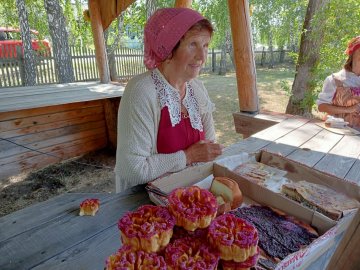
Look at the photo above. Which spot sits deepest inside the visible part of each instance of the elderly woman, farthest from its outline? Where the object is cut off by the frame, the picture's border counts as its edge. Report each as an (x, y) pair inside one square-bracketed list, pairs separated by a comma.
[(165, 117), (340, 95)]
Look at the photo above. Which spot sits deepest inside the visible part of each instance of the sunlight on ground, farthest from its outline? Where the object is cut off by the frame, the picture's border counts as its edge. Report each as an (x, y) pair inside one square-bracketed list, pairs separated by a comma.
[(13, 180), (223, 92)]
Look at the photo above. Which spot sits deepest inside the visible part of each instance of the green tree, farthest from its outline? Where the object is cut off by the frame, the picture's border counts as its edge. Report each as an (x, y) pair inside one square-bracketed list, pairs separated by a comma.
[(29, 57), (59, 36), (341, 23), (278, 22), (311, 40)]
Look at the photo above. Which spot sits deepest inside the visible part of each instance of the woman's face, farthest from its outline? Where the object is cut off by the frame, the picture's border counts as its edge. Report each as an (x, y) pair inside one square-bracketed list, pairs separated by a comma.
[(191, 54), (356, 62)]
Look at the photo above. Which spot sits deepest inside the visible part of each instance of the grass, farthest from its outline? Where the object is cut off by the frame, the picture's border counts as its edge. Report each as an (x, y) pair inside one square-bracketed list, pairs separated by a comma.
[(223, 92)]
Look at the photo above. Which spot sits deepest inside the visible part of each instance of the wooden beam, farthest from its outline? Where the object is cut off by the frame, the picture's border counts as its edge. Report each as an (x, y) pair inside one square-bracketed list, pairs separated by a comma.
[(99, 41), (243, 54), (183, 3), (111, 107), (248, 125)]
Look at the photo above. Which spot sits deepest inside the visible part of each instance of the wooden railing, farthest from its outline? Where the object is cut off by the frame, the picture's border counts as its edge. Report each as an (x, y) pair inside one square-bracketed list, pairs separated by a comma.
[(128, 62)]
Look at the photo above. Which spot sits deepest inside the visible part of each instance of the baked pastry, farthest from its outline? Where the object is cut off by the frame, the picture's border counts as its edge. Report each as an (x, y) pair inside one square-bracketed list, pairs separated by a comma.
[(260, 173), (228, 190), (128, 259), (192, 207), (321, 198), (89, 207), (279, 233), (149, 228), (246, 265), (235, 238), (191, 253)]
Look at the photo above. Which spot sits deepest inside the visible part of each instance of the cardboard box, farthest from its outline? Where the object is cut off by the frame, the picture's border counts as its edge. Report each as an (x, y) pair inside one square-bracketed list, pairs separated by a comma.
[(328, 250)]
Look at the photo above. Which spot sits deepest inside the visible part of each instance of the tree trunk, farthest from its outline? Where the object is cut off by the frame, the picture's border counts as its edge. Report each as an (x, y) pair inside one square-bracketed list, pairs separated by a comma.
[(263, 57), (271, 49), (29, 57), (111, 48), (229, 47), (59, 37), (310, 44), (222, 69), (151, 6)]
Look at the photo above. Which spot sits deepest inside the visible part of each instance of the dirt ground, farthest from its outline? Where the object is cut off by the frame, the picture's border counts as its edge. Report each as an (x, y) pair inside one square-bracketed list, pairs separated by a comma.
[(94, 172)]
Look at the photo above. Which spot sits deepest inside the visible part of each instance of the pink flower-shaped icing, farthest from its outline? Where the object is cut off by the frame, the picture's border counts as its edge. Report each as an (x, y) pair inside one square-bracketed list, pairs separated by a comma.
[(146, 221), (230, 230), (191, 253), (192, 202), (125, 258)]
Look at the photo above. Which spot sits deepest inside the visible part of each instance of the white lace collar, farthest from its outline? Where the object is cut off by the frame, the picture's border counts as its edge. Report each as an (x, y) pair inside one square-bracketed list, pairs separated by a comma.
[(170, 97)]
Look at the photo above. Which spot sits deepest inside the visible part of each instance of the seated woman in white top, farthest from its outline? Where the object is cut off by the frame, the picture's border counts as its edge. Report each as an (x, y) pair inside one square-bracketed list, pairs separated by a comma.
[(340, 96), (165, 117)]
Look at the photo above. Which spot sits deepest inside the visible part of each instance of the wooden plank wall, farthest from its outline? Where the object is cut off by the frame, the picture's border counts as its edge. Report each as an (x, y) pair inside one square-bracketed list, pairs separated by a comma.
[(64, 131)]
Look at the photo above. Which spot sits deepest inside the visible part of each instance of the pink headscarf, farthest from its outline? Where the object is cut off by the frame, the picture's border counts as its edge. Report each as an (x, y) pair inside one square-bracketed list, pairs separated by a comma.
[(163, 31), (353, 45)]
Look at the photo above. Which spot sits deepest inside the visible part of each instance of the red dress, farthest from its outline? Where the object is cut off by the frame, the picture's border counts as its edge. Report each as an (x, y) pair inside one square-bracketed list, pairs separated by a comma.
[(181, 136), (345, 97)]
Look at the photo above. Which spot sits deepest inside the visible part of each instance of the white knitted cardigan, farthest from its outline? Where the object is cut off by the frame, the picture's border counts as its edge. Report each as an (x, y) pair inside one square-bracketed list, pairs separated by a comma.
[(137, 160)]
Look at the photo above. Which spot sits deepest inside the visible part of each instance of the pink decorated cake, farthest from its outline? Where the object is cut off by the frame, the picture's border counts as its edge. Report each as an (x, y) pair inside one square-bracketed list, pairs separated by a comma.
[(246, 265), (149, 228), (128, 259), (89, 207), (235, 238), (192, 207), (191, 253)]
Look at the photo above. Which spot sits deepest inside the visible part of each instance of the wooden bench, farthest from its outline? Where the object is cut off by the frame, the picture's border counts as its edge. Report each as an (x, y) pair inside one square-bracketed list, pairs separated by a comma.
[(249, 124), (61, 120)]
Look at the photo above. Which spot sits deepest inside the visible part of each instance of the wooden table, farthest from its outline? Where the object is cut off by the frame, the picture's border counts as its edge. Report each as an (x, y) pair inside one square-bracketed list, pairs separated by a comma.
[(307, 142), (51, 235)]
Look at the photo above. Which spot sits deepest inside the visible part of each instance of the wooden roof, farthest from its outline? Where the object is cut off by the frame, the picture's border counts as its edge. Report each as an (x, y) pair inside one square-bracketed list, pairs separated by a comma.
[(111, 9)]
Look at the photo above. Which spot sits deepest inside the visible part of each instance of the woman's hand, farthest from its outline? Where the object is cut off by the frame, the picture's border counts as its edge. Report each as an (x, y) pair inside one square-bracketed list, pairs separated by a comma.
[(203, 151)]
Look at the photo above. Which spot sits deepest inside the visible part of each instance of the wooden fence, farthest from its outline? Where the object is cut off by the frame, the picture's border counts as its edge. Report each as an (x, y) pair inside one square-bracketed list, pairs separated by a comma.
[(128, 62)]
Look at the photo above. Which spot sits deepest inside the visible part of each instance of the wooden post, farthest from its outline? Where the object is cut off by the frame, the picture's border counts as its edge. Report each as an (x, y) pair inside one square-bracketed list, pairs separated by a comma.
[(183, 3), (99, 41), (243, 53), (111, 107)]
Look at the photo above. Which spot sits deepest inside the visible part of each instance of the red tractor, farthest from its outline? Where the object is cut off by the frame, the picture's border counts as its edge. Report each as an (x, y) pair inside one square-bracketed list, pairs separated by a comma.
[(10, 38)]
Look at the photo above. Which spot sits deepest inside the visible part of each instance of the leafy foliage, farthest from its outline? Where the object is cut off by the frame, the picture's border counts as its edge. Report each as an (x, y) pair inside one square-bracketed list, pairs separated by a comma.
[(280, 20), (341, 19)]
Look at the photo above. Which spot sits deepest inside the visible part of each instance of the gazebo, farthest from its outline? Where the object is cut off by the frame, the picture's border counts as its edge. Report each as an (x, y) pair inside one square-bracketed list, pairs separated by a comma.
[(52, 235)]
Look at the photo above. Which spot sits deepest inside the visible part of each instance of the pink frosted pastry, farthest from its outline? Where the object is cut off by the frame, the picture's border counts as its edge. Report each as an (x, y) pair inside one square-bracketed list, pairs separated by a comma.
[(246, 265), (128, 259), (235, 238), (192, 207), (191, 253), (149, 228), (89, 207)]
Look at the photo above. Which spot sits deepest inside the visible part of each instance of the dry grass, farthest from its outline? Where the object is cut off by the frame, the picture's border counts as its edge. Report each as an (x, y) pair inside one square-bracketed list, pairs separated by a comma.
[(22, 190), (223, 92)]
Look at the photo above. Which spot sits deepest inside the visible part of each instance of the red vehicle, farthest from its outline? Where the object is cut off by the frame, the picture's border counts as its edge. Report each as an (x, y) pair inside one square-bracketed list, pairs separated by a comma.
[(11, 37)]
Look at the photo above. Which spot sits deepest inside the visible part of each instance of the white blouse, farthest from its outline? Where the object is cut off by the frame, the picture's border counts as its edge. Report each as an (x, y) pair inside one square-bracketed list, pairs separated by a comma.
[(349, 79)]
